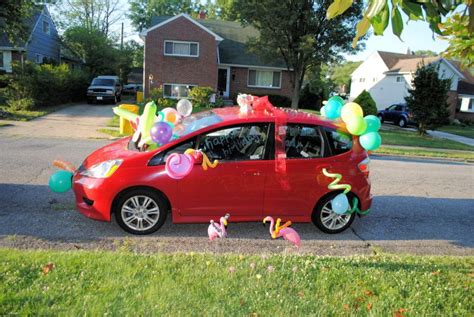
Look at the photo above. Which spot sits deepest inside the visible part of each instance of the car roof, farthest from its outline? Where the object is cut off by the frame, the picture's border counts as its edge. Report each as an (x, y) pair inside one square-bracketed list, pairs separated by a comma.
[(231, 114), (108, 77)]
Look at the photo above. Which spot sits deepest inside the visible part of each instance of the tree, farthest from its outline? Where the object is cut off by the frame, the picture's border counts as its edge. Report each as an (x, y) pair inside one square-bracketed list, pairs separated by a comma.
[(367, 103), (298, 33), (425, 53), (427, 99), (461, 41), (341, 74), (13, 14), (142, 11)]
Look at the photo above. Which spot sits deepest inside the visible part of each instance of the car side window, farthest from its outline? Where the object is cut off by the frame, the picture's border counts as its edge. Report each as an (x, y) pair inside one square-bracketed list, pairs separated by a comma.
[(339, 142), (238, 143), (303, 141), (392, 108), (399, 108), (180, 148)]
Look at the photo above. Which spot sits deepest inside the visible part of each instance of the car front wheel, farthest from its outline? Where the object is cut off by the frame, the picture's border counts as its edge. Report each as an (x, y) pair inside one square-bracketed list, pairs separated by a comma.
[(140, 211), (329, 221), (402, 123), (380, 118)]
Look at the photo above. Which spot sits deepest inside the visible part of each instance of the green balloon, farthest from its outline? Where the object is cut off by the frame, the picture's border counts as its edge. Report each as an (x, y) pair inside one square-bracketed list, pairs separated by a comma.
[(337, 99), (356, 125), (373, 123), (60, 181), (370, 141)]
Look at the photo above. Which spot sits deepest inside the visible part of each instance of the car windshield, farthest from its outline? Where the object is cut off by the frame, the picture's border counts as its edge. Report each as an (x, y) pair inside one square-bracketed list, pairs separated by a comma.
[(189, 125), (102, 82)]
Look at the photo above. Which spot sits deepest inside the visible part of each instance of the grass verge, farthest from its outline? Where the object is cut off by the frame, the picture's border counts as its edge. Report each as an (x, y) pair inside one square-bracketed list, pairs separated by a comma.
[(434, 153), (409, 138), (99, 283), (27, 115), (467, 131), (112, 132)]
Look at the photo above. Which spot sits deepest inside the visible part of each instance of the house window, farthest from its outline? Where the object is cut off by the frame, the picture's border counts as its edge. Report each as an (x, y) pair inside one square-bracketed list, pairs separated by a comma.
[(176, 90), (178, 48), (39, 59), (1, 60), (399, 79), (264, 78), (46, 28), (362, 80)]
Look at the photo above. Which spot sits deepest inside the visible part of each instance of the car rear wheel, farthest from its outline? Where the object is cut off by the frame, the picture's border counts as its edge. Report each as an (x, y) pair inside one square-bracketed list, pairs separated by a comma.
[(402, 123), (140, 211), (380, 118), (329, 221)]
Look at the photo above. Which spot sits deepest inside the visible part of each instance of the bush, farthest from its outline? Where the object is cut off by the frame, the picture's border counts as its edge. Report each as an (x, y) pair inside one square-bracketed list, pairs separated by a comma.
[(21, 104), (367, 103), (156, 95), (309, 100), (46, 85), (200, 96)]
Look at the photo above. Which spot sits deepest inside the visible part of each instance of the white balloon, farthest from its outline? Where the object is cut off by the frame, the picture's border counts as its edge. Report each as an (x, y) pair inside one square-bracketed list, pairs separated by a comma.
[(184, 107)]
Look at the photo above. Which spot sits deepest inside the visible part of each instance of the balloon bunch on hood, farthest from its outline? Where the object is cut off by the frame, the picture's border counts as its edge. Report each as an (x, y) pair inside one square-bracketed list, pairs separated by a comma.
[(352, 115), (152, 128)]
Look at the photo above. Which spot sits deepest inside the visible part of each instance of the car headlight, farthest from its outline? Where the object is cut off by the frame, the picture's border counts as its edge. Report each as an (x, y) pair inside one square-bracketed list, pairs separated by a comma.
[(103, 169), (110, 92), (90, 91)]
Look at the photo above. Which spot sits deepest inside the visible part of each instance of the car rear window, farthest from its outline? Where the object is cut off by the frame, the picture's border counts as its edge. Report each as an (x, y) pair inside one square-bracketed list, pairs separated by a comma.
[(303, 141), (339, 142)]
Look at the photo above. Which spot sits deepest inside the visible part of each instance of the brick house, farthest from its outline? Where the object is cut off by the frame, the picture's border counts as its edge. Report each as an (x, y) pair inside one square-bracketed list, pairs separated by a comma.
[(181, 53)]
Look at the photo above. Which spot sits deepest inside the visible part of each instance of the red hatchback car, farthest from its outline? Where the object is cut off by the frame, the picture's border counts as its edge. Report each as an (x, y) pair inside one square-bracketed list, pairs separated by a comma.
[(134, 186)]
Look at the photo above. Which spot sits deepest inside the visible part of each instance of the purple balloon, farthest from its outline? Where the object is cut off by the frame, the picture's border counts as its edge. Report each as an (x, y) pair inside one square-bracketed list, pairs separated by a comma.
[(161, 132)]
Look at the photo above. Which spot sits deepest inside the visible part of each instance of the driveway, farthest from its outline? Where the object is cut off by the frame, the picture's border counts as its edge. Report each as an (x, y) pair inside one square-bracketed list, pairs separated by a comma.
[(79, 121), (420, 207)]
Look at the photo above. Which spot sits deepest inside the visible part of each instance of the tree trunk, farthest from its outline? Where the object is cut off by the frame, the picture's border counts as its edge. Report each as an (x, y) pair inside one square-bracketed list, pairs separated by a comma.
[(295, 99)]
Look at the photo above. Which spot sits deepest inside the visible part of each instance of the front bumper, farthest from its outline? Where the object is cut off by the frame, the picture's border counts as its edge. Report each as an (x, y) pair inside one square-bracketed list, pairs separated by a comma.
[(100, 97), (93, 199)]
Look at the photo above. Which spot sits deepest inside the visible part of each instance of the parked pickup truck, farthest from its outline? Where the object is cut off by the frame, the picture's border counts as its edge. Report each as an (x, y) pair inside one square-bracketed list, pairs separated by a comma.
[(105, 88), (399, 114)]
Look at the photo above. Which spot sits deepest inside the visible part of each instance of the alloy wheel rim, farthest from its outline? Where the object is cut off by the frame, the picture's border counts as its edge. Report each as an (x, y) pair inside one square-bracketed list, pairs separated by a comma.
[(331, 220), (140, 212)]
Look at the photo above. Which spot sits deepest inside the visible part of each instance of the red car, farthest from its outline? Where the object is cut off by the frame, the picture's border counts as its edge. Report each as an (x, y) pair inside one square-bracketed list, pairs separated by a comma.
[(134, 186)]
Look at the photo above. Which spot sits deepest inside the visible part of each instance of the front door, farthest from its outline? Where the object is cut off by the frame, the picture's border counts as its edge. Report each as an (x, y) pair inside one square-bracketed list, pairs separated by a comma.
[(236, 184), (222, 82)]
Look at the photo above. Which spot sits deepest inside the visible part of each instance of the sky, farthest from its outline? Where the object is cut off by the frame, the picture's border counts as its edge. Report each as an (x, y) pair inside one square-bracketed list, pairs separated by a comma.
[(416, 36)]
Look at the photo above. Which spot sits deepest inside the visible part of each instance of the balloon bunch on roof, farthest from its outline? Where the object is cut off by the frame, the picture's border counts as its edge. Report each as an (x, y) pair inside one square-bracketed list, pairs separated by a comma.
[(356, 124)]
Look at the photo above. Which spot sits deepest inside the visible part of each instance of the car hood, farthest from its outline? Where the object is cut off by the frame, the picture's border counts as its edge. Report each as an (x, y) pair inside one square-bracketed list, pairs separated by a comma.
[(101, 87), (116, 150)]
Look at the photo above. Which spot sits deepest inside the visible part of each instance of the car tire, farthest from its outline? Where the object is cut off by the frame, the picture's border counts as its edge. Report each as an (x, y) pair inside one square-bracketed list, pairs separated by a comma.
[(380, 118), (323, 217), (119, 98), (89, 101), (140, 211), (402, 123)]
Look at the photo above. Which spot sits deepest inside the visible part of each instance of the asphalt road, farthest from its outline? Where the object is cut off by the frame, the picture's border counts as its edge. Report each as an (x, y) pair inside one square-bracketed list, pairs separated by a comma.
[(420, 207)]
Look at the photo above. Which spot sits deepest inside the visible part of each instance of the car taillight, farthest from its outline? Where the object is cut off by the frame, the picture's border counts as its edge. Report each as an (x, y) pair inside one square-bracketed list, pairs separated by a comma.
[(364, 166)]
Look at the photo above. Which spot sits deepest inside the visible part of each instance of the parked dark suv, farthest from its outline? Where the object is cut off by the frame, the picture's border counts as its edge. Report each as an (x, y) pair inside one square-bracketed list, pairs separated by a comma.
[(105, 88), (399, 114)]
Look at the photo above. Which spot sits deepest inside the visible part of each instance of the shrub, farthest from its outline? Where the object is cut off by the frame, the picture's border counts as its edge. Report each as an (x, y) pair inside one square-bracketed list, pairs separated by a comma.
[(156, 95), (21, 104), (367, 103), (46, 85), (309, 100), (200, 96)]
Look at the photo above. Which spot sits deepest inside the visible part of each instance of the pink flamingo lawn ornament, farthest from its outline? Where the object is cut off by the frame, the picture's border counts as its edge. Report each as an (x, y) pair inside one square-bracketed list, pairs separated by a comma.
[(284, 231), (218, 230)]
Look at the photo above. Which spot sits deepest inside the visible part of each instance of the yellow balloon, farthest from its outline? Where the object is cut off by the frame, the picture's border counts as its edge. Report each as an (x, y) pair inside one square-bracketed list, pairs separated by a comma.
[(349, 110)]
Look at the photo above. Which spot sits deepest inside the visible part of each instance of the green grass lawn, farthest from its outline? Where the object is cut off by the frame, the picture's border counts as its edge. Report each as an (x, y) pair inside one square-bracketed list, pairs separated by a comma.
[(467, 131), (27, 115), (410, 138), (402, 151), (122, 283)]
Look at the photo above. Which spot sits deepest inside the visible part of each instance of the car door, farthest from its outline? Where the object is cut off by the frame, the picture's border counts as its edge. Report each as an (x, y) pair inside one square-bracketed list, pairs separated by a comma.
[(295, 192), (389, 114), (236, 184)]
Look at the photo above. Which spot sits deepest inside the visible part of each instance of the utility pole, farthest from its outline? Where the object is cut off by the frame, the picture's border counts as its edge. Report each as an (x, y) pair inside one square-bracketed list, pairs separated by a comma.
[(121, 39)]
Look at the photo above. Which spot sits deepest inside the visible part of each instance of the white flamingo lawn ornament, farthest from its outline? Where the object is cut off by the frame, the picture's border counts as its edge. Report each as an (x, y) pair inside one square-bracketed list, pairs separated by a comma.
[(218, 230)]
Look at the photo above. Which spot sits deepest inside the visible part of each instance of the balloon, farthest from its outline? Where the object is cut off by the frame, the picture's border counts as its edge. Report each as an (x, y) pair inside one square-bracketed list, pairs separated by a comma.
[(333, 109), (60, 181), (340, 204), (161, 132), (370, 141), (356, 125), (323, 111), (179, 165), (337, 99), (349, 110), (184, 107), (334, 185), (373, 123), (171, 115)]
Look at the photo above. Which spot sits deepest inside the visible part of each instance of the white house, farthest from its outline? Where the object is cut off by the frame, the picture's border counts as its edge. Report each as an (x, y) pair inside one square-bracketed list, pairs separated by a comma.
[(388, 76)]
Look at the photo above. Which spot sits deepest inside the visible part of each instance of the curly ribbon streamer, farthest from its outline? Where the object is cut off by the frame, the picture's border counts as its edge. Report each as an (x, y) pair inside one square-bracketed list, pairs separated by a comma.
[(205, 160), (334, 185), (64, 166), (355, 208)]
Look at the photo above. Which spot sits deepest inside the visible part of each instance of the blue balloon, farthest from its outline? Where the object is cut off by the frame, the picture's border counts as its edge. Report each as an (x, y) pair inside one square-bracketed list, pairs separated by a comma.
[(370, 141), (340, 204), (60, 181), (373, 123), (333, 109), (337, 99)]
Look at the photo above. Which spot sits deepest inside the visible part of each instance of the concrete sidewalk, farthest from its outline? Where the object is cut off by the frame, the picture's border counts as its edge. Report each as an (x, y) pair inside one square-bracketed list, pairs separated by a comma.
[(453, 137), (77, 122)]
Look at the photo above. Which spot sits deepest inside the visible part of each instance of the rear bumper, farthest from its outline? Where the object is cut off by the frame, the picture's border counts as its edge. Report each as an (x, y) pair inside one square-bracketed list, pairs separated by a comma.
[(91, 198)]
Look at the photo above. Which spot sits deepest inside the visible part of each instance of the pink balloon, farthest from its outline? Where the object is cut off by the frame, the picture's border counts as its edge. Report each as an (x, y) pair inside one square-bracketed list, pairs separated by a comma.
[(179, 165)]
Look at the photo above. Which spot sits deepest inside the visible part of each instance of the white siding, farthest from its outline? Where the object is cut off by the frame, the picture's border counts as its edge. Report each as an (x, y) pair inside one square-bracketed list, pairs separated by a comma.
[(372, 68)]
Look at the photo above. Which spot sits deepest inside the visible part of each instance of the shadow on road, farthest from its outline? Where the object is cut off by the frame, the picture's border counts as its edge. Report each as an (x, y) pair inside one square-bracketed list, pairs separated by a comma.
[(33, 210)]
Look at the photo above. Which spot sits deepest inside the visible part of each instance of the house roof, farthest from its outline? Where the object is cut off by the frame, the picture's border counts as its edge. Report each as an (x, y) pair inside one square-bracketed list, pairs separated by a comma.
[(30, 22), (232, 47)]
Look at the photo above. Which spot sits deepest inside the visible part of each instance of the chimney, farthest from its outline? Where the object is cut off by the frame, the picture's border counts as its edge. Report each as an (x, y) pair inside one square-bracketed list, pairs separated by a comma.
[(409, 51), (202, 15)]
